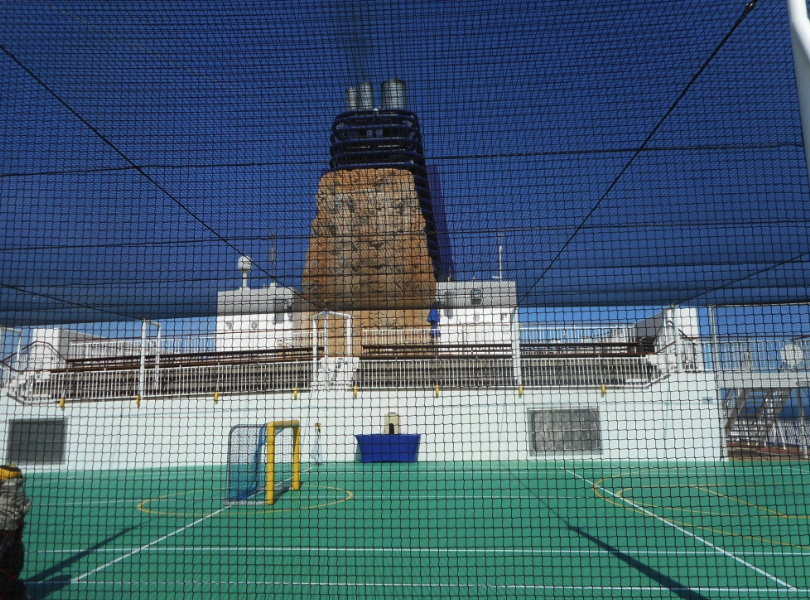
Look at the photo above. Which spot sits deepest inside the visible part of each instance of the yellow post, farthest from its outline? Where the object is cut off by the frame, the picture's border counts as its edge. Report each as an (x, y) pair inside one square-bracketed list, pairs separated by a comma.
[(269, 486), (520, 390), (62, 403), (138, 400), (296, 464), (270, 492), (604, 389), (355, 391), (437, 390), (216, 396), (295, 393)]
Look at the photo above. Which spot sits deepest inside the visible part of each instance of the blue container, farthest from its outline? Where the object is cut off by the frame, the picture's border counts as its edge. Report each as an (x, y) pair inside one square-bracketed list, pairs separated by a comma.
[(384, 447)]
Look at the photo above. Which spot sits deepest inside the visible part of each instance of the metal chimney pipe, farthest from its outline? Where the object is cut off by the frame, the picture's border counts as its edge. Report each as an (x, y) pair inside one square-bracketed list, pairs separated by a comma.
[(394, 96), (366, 96), (352, 99)]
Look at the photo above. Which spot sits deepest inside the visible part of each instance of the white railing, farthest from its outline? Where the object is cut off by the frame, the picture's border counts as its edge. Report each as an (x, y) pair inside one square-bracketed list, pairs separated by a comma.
[(191, 344), (294, 339), (428, 373), (762, 355), (265, 377), (124, 384), (588, 372), (469, 339), (107, 348), (396, 337), (577, 334), (87, 349)]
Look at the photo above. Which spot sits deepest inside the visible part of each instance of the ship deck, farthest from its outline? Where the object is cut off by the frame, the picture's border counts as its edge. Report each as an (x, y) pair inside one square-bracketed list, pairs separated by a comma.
[(459, 529)]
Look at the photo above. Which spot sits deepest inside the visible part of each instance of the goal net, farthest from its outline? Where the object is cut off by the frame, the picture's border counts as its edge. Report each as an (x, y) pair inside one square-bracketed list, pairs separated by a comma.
[(264, 461)]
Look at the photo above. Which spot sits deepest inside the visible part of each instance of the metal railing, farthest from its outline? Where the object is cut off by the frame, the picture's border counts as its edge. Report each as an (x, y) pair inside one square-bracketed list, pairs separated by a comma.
[(581, 333), (124, 384), (588, 372), (396, 337), (762, 355), (428, 373), (188, 344)]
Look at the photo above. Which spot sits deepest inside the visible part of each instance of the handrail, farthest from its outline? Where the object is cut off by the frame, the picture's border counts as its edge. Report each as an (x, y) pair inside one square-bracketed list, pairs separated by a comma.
[(28, 347)]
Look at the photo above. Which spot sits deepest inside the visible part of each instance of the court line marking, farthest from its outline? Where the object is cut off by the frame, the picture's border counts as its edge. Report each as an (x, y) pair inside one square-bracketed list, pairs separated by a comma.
[(353, 584), (327, 549), (461, 497), (146, 546), (150, 544), (355, 496), (689, 533), (685, 523)]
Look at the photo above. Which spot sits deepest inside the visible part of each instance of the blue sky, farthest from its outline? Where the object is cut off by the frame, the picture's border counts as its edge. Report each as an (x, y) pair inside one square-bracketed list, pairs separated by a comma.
[(145, 146)]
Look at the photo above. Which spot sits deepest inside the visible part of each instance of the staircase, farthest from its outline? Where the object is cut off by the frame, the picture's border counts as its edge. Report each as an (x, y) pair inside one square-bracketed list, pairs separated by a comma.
[(753, 430)]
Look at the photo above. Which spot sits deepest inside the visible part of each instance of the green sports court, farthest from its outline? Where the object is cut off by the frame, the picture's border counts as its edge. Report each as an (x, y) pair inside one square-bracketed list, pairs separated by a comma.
[(340, 299), (430, 529)]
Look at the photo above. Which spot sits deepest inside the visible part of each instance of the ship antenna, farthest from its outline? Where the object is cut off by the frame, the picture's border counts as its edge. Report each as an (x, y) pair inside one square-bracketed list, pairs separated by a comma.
[(245, 266)]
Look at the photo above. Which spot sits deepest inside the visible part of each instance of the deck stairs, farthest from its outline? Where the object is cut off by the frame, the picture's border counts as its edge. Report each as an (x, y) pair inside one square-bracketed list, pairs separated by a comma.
[(753, 429)]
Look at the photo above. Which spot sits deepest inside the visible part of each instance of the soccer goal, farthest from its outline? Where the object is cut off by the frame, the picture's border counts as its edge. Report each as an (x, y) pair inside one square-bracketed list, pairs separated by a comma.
[(264, 461)]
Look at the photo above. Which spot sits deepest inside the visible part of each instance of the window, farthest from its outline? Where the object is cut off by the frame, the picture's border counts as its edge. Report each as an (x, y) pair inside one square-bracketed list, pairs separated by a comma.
[(36, 441), (566, 430)]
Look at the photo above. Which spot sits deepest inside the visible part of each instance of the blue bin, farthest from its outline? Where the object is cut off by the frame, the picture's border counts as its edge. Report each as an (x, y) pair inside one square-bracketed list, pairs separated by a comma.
[(384, 447)]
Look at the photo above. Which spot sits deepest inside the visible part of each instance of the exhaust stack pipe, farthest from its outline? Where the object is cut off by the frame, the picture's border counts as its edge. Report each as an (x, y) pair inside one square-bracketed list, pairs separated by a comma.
[(352, 99), (366, 96), (394, 96)]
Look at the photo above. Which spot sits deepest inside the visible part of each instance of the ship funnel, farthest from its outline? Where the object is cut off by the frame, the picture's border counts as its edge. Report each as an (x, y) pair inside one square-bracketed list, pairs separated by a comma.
[(352, 99), (394, 96), (366, 96)]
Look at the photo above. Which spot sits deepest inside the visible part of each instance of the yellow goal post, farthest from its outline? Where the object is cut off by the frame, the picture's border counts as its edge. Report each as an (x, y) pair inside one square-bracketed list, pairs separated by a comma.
[(273, 428)]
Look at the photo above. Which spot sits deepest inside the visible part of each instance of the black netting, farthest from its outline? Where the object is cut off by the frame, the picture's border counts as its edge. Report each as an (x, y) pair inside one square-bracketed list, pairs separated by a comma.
[(531, 276)]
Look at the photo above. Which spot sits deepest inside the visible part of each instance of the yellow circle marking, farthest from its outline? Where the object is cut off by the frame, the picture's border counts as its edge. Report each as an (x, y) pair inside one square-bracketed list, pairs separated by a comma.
[(142, 506), (639, 505)]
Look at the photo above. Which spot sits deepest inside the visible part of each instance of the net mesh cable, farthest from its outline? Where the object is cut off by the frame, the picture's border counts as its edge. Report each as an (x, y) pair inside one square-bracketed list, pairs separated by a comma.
[(404, 299)]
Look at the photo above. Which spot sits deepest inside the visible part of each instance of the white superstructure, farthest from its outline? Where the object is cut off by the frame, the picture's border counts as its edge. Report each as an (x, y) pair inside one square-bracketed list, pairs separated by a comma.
[(473, 381)]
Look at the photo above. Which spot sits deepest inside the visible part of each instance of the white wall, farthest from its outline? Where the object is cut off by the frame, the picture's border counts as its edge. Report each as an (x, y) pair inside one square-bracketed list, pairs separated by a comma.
[(677, 419)]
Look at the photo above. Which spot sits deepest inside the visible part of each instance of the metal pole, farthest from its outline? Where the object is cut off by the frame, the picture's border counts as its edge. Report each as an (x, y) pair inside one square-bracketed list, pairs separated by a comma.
[(157, 357), (326, 337), (676, 332), (803, 442), (800, 41), (19, 351), (716, 370), (145, 324), (142, 376), (349, 336), (314, 346), (516, 367)]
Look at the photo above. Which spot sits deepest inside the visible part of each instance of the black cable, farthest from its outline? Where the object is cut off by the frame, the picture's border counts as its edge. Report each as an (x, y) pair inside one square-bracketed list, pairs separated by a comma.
[(133, 165), (640, 149)]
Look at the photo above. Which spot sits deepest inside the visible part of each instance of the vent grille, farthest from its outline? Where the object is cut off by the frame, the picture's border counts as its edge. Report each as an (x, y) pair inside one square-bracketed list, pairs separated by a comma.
[(569, 430), (36, 441)]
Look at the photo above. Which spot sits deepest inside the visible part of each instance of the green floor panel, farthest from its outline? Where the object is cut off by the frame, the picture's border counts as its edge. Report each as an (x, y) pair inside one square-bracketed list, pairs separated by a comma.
[(427, 530)]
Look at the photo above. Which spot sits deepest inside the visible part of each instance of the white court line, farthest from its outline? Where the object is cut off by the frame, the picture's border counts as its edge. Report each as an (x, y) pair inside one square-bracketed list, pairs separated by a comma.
[(689, 533), (356, 497), (146, 546), (461, 497), (88, 503), (352, 584), (150, 544), (349, 550)]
